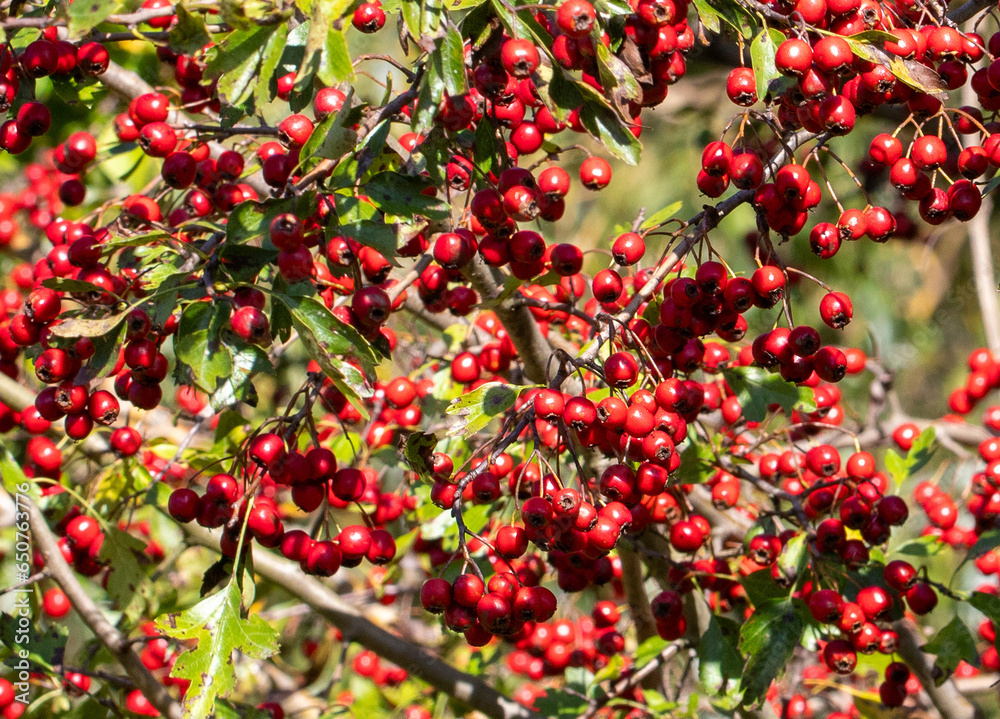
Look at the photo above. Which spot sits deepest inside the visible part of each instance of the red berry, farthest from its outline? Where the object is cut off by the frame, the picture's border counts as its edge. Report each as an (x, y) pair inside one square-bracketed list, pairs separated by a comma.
[(595, 172), (55, 603), (576, 18)]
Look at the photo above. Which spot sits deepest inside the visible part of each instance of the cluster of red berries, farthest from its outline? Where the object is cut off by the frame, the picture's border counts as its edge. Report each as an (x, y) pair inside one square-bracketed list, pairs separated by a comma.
[(856, 622), (368, 664), (39, 202), (48, 55), (657, 29), (830, 82), (550, 647), (9, 707), (984, 376), (500, 607), (313, 478)]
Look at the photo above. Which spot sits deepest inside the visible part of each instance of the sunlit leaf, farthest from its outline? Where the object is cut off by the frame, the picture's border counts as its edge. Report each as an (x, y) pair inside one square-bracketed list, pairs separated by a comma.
[(220, 629)]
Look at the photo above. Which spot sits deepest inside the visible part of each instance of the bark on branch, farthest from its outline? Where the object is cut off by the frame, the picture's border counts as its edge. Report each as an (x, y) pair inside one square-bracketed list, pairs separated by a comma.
[(94, 618), (946, 698), (420, 663)]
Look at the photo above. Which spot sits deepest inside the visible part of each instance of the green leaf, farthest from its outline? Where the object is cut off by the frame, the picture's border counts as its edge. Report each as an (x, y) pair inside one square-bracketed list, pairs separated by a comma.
[(871, 36), (219, 628), (610, 671), (325, 54), (522, 24), (927, 546), (411, 11), (762, 53), (477, 24), (988, 604), (991, 185), (331, 138), (146, 238), (661, 216), (562, 704), (65, 284), (697, 464), (732, 12), (756, 388), (15, 482), (560, 94), (484, 154), (225, 710), (328, 339), (618, 80), (84, 15), (352, 383), (333, 335), (189, 34), (449, 61), (432, 14), (371, 148), (709, 17), (761, 587), (987, 542), (371, 233), (418, 453), (45, 649), (250, 220), (870, 46), (236, 61), (794, 557), (916, 458), (75, 91), (128, 585), (605, 125), (952, 644), (719, 661), (248, 360), (403, 195), (239, 13), (270, 57), (119, 479), (477, 408), (768, 639), (200, 345), (335, 64), (649, 649)]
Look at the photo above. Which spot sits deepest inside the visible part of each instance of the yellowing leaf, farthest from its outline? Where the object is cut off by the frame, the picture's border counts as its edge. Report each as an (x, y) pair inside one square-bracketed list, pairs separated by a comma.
[(480, 406), (218, 625)]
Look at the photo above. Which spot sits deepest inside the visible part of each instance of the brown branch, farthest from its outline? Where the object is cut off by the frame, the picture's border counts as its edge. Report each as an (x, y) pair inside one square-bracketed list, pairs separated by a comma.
[(36, 577), (969, 10), (422, 263), (635, 593), (15, 395), (626, 684), (415, 307), (94, 618), (135, 18), (469, 689), (980, 243), (533, 348), (949, 702)]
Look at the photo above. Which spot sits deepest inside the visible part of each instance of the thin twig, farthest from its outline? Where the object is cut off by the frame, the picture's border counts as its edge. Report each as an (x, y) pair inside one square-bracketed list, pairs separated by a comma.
[(94, 618)]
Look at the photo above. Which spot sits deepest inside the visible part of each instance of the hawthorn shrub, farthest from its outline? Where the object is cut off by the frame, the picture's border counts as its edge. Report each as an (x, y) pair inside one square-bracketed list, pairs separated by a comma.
[(310, 406)]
